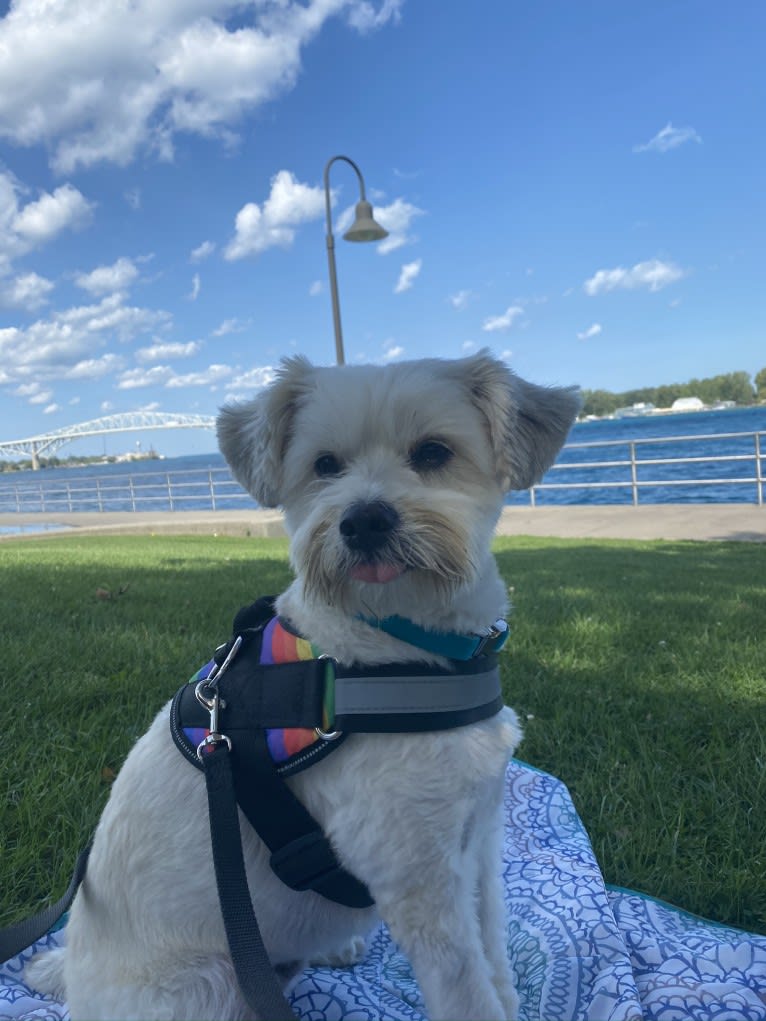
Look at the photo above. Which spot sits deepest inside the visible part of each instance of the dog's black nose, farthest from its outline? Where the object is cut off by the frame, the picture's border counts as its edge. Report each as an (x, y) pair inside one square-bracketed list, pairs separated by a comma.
[(366, 527)]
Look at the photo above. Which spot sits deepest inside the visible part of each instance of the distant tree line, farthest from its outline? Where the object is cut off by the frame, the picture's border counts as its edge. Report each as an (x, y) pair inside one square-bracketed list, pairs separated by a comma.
[(732, 386), (74, 461)]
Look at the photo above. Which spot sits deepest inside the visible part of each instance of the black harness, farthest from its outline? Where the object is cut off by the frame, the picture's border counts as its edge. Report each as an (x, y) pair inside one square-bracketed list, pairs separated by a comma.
[(243, 698)]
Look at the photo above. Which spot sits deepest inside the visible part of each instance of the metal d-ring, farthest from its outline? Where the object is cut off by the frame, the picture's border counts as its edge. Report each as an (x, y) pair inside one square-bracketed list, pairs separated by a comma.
[(327, 735), (212, 739)]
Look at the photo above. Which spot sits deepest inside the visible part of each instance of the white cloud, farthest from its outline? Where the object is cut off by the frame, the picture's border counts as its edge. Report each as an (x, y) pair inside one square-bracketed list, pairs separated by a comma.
[(289, 204), (592, 331), (669, 138), (108, 279), (55, 347), (316, 288), (51, 409), (366, 18), (41, 398), (196, 286), (203, 251), (106, 406), (164, 352), (393, 351), (133, 198), (113, 79), (211, 375), (229, 326), (503, 322), (253, 379), (460, 299), (41, 220), (134, 379), (95, 368), (24, 227), (409, 272), (28, 291), (652, 274)]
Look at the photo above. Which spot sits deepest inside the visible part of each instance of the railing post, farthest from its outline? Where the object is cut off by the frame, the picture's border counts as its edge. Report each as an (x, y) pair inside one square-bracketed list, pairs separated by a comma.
[(42, 497), (132, 494), (98, 494), (69, 496), (212, 488), (633, 473), (532, 498), (758, 470), (170, 490)]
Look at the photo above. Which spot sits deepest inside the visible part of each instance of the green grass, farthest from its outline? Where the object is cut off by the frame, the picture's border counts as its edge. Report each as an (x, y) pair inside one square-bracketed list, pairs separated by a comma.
[(638, 669)]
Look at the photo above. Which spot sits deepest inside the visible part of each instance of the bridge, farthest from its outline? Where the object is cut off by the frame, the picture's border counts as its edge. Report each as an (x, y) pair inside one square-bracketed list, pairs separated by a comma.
[(130, 421)]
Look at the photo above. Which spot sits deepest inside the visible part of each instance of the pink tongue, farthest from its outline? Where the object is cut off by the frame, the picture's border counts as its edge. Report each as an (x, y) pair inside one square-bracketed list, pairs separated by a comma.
[(376, 573)]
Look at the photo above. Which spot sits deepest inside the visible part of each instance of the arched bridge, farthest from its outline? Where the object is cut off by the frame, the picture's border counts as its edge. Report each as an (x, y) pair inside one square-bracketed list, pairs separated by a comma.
[(130, 421)]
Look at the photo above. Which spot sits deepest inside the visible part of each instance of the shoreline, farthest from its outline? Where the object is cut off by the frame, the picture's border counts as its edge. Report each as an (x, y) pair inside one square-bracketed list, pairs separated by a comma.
[(734, 522)]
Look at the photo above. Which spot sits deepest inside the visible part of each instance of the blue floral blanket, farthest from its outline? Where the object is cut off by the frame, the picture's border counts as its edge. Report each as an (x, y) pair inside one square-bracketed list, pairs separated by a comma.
[(580, 950)]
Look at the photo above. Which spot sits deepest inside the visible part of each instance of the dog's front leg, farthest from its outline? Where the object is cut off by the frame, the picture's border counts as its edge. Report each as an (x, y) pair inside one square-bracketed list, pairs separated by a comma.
[(434, 920), (493, 918)]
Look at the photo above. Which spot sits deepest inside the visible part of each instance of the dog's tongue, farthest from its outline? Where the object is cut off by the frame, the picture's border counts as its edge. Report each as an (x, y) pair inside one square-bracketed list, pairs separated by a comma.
[(379, 574)]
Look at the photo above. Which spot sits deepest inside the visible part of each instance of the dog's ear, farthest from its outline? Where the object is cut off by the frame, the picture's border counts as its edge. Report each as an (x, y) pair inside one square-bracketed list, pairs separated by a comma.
[(527, 423), (254, 435)]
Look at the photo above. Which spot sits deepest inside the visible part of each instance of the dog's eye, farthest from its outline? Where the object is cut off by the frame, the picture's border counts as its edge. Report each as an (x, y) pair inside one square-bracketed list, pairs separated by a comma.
[(429, 456), (327, 465)]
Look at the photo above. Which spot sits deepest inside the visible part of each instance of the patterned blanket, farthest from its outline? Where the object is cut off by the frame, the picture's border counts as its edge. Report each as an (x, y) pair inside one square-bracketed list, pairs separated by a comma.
[(580, 950)]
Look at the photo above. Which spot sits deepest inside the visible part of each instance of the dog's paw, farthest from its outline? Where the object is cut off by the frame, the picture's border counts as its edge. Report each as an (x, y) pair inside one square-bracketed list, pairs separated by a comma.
[(342, 957)]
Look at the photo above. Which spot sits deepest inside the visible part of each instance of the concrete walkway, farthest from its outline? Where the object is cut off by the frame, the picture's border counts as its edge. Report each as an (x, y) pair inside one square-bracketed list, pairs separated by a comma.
[(736, 522)]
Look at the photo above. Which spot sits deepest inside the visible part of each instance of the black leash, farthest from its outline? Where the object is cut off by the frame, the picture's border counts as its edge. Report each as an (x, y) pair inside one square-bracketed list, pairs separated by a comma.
[(255, 974), (16, 938)]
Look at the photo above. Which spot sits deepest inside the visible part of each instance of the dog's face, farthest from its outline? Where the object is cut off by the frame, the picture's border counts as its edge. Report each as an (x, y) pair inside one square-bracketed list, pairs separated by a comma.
[(392, 478)]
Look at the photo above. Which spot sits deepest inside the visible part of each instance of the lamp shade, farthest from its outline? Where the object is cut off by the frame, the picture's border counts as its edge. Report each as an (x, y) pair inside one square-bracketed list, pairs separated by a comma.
[(364, 227)]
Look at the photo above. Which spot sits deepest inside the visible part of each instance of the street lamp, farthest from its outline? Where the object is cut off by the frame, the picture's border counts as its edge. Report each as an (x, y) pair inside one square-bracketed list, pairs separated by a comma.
[(364, 228)]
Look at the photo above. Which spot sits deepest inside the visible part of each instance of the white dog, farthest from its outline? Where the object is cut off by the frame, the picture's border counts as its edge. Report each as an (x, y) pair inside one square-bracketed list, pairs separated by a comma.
[(392, 480)]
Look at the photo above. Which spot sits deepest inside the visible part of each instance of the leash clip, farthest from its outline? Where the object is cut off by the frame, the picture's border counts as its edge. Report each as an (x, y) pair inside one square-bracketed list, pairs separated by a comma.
[(497, 630), (213, 702)]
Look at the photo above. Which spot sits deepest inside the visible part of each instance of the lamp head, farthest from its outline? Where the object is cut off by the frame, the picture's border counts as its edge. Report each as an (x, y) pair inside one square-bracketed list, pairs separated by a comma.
[(364, 227)]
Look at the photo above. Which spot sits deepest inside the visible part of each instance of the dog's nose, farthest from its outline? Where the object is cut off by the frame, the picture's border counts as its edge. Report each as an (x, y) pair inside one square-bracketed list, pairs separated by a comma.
[(366, 527)]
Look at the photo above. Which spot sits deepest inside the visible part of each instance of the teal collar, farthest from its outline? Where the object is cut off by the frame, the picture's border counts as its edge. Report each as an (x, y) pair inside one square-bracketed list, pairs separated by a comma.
[(449, 644)]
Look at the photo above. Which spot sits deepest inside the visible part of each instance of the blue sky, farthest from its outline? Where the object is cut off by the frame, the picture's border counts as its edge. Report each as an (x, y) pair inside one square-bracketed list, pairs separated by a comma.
[(578, 186)]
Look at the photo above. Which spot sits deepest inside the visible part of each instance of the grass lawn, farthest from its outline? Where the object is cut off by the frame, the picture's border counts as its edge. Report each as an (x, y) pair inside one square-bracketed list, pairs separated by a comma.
[(639, 670)]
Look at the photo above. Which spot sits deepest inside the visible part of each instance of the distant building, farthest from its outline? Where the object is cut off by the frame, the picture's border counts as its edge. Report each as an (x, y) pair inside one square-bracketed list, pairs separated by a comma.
[(635, 410), (687, 404)]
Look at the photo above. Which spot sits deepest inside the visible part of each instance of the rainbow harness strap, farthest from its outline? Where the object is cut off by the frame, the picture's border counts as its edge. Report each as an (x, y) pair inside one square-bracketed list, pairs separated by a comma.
[(279, 645)]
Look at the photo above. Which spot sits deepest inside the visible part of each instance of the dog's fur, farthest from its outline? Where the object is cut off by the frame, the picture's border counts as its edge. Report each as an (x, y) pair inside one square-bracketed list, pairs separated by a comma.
[(417, 817)]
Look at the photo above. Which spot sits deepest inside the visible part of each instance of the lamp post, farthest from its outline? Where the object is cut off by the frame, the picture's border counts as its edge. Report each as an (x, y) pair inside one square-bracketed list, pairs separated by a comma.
[(364, 228)]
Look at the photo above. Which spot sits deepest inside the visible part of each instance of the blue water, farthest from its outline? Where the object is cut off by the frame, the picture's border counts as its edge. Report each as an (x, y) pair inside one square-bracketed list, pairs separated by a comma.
[(145, 485), (609, 440)]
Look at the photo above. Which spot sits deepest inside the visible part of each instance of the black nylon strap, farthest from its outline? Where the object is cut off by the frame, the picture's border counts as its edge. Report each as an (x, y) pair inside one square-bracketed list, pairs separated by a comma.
[(16, 938), (301, 854), (256, 977)]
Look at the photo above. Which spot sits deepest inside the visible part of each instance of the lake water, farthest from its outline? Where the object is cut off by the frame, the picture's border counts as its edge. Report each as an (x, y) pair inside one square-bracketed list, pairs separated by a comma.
[(186, 483)]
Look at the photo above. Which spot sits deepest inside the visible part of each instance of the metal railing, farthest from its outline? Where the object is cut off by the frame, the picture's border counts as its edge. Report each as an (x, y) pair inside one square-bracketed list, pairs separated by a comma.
[(628, 474), (208, 489), (722, 466)]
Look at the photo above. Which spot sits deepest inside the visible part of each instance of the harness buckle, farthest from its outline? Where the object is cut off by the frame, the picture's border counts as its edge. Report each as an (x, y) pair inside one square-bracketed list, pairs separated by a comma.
[(328, 735)]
